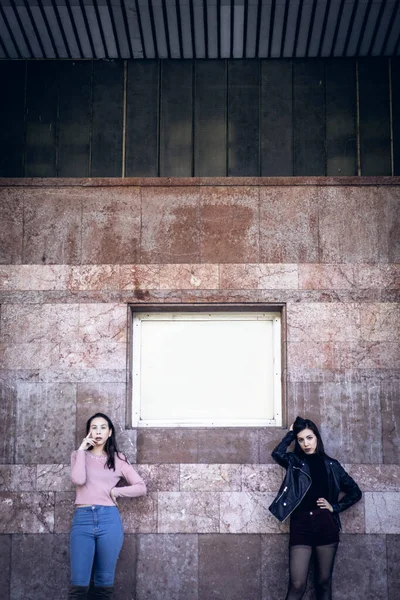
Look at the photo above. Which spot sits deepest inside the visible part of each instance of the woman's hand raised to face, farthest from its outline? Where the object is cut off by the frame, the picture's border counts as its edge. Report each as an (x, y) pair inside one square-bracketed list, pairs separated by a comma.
[(87, 442), (322, 503)]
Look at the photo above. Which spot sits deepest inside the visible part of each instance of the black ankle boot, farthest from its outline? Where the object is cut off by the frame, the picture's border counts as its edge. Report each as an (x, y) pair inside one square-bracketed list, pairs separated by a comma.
[(103, 593), (78, 592)]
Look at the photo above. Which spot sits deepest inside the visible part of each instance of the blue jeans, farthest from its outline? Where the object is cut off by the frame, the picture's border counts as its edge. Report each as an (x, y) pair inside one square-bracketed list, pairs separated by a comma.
[(95, 542)]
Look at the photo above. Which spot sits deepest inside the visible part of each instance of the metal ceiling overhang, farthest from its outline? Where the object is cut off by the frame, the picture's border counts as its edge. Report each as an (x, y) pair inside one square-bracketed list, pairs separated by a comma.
[(201, 29)]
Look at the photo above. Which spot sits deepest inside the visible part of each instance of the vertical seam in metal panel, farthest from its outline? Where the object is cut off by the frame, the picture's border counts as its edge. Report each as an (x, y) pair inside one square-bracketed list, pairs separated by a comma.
[(258, 28), (219, 28), (159, 118), (311, 27), (76, 34), (89, 33), (139, 20), (192, 28), (246, 11), (166, 28), (358, 121), (57, 126), (337, 27), (153, 29), (232, 28), (126, 26), (284, 29), (125, 103), (377, 25), (323, 30), (205, 20), (91, 120), (10, 33), (114, 29), (60, 25), (48, 28), (18, 18), (350, 29), (4, 49), (271, 27), (179, 25), (98, 19), (298, 21), (34, 27), (391, 117), (390, 27), (396, 46), (363, 26)]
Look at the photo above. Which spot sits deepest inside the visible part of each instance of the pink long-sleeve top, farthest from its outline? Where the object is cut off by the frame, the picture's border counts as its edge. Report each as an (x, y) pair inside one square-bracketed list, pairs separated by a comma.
[(94, 482)]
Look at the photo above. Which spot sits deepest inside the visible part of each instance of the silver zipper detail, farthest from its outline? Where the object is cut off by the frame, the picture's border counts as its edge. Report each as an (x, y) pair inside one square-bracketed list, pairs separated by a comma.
[(294, 508), (280, 495)]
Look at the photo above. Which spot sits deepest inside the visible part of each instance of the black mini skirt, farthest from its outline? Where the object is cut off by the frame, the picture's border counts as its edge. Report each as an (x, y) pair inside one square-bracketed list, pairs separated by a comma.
[(313, 528)]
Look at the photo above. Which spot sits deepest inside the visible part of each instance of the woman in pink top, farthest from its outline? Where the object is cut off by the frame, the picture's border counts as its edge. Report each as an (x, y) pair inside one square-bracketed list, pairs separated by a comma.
[(97, 534)]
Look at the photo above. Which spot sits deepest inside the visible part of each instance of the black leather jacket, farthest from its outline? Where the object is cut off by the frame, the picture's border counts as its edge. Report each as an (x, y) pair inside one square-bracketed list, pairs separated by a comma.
[(297, 481)]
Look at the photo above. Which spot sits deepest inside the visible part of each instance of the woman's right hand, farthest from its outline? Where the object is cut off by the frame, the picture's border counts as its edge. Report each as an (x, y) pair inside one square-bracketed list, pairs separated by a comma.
[(87, 442), (291, 427)]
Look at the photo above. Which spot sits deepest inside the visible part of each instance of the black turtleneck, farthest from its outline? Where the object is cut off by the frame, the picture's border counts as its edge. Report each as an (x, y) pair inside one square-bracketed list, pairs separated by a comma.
[(319, 486)]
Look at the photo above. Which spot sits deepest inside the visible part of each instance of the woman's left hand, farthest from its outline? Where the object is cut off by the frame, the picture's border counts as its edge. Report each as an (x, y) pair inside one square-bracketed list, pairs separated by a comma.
[(113, 498), (322, 503)]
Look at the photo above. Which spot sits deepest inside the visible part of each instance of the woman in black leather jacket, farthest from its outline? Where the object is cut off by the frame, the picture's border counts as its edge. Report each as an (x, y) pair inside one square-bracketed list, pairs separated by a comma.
[(310, 494)]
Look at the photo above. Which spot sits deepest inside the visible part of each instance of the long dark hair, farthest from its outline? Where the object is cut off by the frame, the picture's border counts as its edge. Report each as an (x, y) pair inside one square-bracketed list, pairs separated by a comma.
[(111, 444), (299, 425)]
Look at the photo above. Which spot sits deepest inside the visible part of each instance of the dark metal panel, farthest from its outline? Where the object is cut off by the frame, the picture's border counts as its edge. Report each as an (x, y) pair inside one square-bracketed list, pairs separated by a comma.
[(41, 119), (108, 106), (356, 28), (210, 118), (366, 31), (57, 33), (377, 48), (176, 130), (271, 26), (7, 36), (75, 91), (276, 126), (304, 29), (395, 69), (213, 29), (149, 42), (243, 118), (338, 25), (142, 133), (376, 26), (166, 28), (179, 27), (107, 37), (375, 151), (309, 117), (127, 36), (330, 27), (82, 24), (153, 31), (349, 15), (95, 31), (341, 117), (317, 31), (76, 36), (112, 34), (289, 41), (135, 25), (12, 118), (225, 28), (173, 33), (46, 26), (393, 19), (12, 17), (187, 38), (199, 28), (32, 27), (264, 30), (253, 28)]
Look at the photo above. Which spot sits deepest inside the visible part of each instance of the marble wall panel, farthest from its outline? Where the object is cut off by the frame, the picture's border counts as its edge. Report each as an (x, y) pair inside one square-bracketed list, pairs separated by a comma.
[(288, 224), (167, 567), (322, 277), (139, 279), (103, 322), (268, 438), (160, 478), (353, 519), (111, 225), (26, 512), (6, 272), (361, 568), (48, 572), (189, 277), (275, 567), (52, 226), (390, 415), (262, 478), (5, 566), (139, 515), (17, 478), (51, 323), (45, 422), (167, 446), (63, 511), (393, 561), (102, 356), (376, 478), (382, 512), (31, 355), (380, 322), (170, 225), (125, 574), (229, 225), (377, 276), (53, 478), (94, 278), (229, 567), (8, 416), (188, 512), (259, 276), (229, 445), (11, 226), (336, 322), (247, 512), (392, 215), (354, 225), (210, 478), (304, 398), (38, 278)]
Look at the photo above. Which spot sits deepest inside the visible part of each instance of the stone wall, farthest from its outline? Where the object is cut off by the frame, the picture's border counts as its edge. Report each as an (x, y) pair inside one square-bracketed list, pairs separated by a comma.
[(74, 254)]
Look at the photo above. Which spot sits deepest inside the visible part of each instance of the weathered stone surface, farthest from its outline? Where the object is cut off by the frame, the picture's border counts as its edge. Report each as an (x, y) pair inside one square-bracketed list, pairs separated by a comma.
[(170, 225), (125, 574), (64, 506), (210, 478), (45, 422), (229, 445), (11, 226), (390, 415), (393, 561), (268, 438), (376, 478), (288, 224), (229, 567), (48, 573), (336, 323), (378, 276), (183, 277), (167, 567), (26, 512), (38, 277), (229, 225), (102, 322), (167, 446), (247, 512), (382, 512), (111, 226), (17, 478), (322, 277), (188, 512), (140, 279), (52, 227), (275, 566), (8, 410), (380, 322), (259, 276), (5, 566), (46, 323), (102, 355), (139, 515), (30, 355), (361, 568), (160, 478), (261, 478), (96, 277), (54, 478), (353, 519)]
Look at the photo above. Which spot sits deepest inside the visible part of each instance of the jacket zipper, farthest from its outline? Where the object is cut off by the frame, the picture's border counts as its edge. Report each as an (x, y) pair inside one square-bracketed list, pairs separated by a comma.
[(294, 508), (280, 495)]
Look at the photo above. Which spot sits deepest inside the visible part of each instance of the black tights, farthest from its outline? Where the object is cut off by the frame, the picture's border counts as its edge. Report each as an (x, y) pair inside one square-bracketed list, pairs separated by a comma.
[(300, 557)]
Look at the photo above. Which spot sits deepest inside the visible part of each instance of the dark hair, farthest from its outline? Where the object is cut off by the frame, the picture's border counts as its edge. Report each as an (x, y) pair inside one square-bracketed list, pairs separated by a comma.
[(299, 425), (111, 444)]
